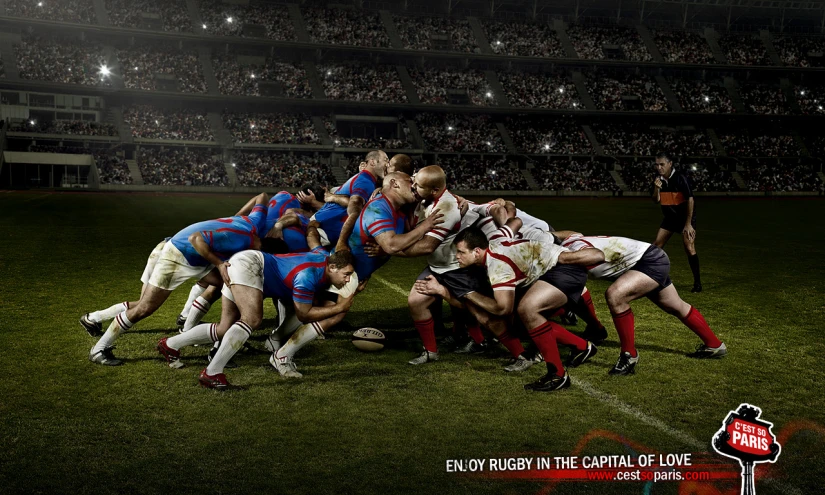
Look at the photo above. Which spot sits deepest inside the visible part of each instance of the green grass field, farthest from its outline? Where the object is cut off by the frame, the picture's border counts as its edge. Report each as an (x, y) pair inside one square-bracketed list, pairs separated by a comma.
[(370, 423)]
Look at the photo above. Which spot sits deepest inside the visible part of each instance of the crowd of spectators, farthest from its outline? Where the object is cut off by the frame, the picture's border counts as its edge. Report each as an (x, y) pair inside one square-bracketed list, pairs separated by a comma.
[(150, 122), (271, 128), (755, 145), (764, 99), (225, 19), (245, 80), (277, 169), (371, 143), (540, 90), (459, 133), (345, 27), (810, 101), (590, 43), (564, 174), (774, 175), (482, 173), (358, 82), (62, 60), (744, 50), (73, 127), (523, 39), (794, 50), (141, 64), (637, 173), (181, 167), (129, 13), (626, 140), (554, 135), (608, 91), (77, 11), (683, 47), (432, 85), (703, 179), (700, 96), (436, 33), (112, 168)]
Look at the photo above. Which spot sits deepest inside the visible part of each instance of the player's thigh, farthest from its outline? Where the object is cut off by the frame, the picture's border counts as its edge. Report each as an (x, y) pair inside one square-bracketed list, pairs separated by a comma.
[(418, 301), (229, 315), (151, 299), (250, 303), (212, 279), (541, 296), (662, 236), (630, 286), (669, 300)]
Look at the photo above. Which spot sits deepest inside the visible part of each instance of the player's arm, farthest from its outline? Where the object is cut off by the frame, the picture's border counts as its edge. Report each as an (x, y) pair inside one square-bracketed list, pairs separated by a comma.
[(564, 234), (309, 199), (657, 188), (501, 304), (203, 249), (392, 243), (286, 221), (307, 313), (260, 199), (422, 247), (583, 257), (338, 199), (356, 204), (430, 287)]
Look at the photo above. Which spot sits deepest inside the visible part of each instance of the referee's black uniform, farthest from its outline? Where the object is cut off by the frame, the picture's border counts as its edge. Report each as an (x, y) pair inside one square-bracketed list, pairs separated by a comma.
[(674, 196)]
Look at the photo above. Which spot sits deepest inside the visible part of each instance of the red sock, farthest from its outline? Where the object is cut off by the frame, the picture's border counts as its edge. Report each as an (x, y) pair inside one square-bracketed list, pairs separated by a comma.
[(696, 322), (591, 309), (475, 333), (426, 329), (558, 312), (563, 337), (543, 337), (625, 327), (512, 344)]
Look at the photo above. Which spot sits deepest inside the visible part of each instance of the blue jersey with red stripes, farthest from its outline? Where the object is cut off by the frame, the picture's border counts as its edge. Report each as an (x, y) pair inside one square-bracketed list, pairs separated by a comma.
[(296, 239), (295, 276), (377, 217), (276, 208), (225, 236), (332, 216)]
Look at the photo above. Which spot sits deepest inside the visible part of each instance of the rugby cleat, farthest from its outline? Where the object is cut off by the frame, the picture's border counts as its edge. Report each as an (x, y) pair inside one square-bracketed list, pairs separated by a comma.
[(450, 341), (696, 288), (286, 367), (704, 352), (213, 351), (471, 347), (217, 382), (549, 382), (425, 357), (92, 328), (181, 321), (626, 365), (569, 318), (578, 358), (519, 364), (595, 334), (105, 357), (271, 343), (172, 356)]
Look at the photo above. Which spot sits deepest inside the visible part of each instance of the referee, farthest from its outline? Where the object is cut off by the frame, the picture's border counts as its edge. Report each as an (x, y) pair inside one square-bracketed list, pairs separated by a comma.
[(671, 189)]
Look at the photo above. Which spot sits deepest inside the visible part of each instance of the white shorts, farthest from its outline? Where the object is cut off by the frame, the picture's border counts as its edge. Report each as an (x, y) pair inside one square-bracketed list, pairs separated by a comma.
[(348, 289), (170, 269), (245, 268)]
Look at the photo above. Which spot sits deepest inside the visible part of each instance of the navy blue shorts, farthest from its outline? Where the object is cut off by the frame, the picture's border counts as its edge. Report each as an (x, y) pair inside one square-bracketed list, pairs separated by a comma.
[(676, 225), (569, 279), (656, 265), (462, 281)]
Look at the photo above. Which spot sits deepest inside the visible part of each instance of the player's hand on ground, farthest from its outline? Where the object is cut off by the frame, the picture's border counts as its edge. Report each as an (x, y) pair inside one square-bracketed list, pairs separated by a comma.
[(372, 249), (223, 268), (305, 197), (436, 218), (429, 287), (658, 182), (361, 286), (689, 233)]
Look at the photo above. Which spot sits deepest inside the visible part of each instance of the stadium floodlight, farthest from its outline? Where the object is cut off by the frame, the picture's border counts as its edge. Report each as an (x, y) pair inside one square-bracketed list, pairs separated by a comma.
[(104, 71), (251, 126), (694, 167), (492, 172), (337, 142), (575, 105), (802, 93), (489, 94), (233, 164), (39, 4), (489, 143), (157, 123), (561, 89), (229, 19), (32, 122), (546, 147), (707, 99), (449, 128), (820, 107), (498, 42), (136, 67), (203, 26), (329, 72), (252, 76)]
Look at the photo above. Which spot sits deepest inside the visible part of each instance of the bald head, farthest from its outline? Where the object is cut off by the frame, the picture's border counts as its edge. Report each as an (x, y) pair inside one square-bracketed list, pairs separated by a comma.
[(432, 176), (395, 176), (401, 163), (377, 162)]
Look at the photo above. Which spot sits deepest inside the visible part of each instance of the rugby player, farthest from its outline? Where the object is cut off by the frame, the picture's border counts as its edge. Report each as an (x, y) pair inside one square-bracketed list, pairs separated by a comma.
[(671, 189), (199, 251), (639, 269)]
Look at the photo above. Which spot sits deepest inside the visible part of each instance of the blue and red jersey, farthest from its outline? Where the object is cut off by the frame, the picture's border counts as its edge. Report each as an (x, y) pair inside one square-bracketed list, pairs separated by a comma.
[(296, 238), (276, 208), (332, 216), (377, 217), (225, 236), (295, 276)]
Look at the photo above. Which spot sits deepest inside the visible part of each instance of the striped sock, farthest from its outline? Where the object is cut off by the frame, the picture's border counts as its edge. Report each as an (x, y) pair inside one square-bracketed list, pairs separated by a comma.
[(200, 307), (303, 336), (234, 339), (205, 333), (119, 325), (108, 313), (194, 292)]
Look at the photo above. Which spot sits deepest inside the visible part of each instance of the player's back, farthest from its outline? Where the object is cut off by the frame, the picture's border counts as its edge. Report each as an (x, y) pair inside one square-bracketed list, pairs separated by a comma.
[(278, 204), (522, 261), (225, 236), (377, 217), (620, 253), (283, 270), (443, 258)]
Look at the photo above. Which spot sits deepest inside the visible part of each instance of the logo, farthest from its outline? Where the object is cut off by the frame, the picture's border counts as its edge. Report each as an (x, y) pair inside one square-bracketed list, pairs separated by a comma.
[(749, 440)]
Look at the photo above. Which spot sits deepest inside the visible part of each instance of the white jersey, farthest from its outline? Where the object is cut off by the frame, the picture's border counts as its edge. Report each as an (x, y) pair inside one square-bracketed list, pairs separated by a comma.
[(514, 262), (620, 253), (488, 226), (443, 258)]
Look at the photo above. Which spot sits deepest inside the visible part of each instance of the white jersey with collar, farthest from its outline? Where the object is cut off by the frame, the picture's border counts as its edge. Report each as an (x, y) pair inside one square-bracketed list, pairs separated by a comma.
[(512, 262), (620, 253), (443, 258)]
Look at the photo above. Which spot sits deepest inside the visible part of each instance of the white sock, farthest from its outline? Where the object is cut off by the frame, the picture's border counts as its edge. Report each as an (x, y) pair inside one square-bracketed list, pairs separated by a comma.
[(119, 325), (194, 292), (205, 333), (200, 307), (303, 336), (108, 313), (230, 344)]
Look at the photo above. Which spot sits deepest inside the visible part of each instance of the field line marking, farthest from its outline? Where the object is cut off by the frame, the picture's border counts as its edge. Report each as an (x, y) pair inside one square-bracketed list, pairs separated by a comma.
[(626, 408)]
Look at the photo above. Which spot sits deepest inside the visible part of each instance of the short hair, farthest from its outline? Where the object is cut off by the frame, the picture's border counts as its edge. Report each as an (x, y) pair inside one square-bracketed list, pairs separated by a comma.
[(665, 156), (373, 155), (273, 245), (474, 238), (402, 163), (315, 189), (341, 259)]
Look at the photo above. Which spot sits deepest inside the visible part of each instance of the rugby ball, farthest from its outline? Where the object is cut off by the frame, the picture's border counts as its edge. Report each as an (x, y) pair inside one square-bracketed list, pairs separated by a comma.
[(369, 339)]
